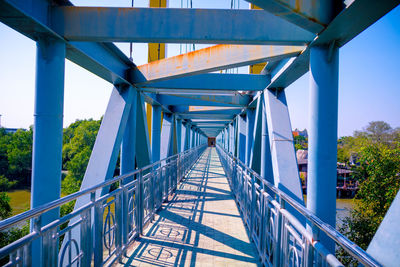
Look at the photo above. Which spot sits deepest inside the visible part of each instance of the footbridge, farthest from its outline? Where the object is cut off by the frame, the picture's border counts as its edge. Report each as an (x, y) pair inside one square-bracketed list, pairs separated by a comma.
[(178, 201)]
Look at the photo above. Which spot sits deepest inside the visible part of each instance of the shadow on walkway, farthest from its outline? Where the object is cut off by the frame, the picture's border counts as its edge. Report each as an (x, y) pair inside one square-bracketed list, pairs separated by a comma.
[(199, 226)]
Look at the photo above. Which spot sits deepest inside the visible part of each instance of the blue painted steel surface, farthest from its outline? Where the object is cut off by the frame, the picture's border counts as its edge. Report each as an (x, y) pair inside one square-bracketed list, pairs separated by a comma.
[(128, 146), (322, 146), (166, 135), (156, 133), (208, 26), (301, 13), (204, 100), (255, 155), (48, 131), (283, 155), (241, 147), (143, 146), (266, 170), (128, 160), (250, 117), (211, 81)]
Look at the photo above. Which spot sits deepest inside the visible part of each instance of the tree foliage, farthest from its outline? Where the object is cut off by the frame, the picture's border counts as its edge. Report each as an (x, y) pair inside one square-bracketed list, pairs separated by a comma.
[(78, 143), (16, 155), (378, 151), (300, 142), (5, 208)]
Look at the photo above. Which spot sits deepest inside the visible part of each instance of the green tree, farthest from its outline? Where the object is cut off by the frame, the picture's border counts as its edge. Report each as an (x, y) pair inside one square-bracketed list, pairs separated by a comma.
[(4, 140), (5, 184), (78, 141), (378, 175), (5, 208), (19, 154)]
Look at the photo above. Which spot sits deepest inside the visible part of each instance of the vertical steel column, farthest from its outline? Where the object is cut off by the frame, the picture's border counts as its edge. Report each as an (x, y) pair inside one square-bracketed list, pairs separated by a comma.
[(128, 154), (128, 146), (192, 139), (322, 159), (156, 133), (266, 163), (187, 136), (48, 130), (241, 147), (250, 116)]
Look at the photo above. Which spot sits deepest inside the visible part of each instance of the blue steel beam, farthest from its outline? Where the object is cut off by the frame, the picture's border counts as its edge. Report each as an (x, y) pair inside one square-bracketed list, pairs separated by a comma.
[(166, 135), (143, 146), (179, 134), (241, 147), (128, 160), (210, 59), (322, 144), (205, 123), (255, 155), (175, 25), (48, 132), (283, 155), (250, 117), (156, 133), (211, 81), (227, 111), (204, 100), (303, 13), (266, 170)]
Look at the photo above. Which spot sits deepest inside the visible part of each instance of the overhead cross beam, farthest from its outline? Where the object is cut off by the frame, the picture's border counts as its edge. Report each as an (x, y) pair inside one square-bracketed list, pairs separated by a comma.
[(210, 81), (176, 25), (209, 59), (204, 100), (302, 13)]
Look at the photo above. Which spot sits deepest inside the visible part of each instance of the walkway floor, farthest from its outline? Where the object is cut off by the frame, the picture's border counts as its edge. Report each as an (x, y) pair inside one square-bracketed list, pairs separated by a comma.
[(199, 226)]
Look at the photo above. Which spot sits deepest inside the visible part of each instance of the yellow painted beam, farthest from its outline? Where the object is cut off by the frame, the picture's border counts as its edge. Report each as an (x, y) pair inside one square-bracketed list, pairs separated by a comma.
[(256, 68), (156, 51)]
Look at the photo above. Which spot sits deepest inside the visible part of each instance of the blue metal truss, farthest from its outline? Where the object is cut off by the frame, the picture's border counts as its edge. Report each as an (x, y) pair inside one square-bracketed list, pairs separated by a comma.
[(293, 37)]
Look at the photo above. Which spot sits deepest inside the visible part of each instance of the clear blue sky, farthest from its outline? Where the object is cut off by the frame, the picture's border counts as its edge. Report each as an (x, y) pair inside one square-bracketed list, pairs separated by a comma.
[(368, 79)]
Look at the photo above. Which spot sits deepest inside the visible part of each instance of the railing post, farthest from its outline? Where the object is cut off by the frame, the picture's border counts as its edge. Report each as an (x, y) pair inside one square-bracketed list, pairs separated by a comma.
[(50, 248), (263, 223), (167, 181), (139, 204), (98, 234), (86, 238), (253, 205), (278, 238), (118, 225)]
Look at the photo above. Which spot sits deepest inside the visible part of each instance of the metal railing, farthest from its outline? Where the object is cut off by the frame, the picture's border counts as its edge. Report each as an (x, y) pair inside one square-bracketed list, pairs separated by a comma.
[(99, 232), (281, 239)]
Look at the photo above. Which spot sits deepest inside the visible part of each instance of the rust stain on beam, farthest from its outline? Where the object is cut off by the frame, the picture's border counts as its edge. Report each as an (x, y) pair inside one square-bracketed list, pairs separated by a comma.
[(214, 58)]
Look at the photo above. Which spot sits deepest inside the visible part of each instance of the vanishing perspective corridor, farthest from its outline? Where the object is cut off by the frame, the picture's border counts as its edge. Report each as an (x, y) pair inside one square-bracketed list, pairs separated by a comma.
[(200, 225)]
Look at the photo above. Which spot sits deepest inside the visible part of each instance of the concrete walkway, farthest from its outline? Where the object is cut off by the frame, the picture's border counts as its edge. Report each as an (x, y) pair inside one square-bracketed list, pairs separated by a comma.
[(199, 226)]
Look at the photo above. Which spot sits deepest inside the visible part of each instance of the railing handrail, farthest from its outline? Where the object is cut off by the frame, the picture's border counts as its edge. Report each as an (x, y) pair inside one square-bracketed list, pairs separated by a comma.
[(7, 223), (343, 241)]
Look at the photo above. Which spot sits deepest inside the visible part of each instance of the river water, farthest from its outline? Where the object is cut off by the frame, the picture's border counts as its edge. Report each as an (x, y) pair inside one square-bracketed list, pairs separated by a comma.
[(343, 208)]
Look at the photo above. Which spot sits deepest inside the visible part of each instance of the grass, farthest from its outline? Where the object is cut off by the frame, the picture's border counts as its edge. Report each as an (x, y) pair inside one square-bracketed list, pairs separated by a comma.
[(20, 200)]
